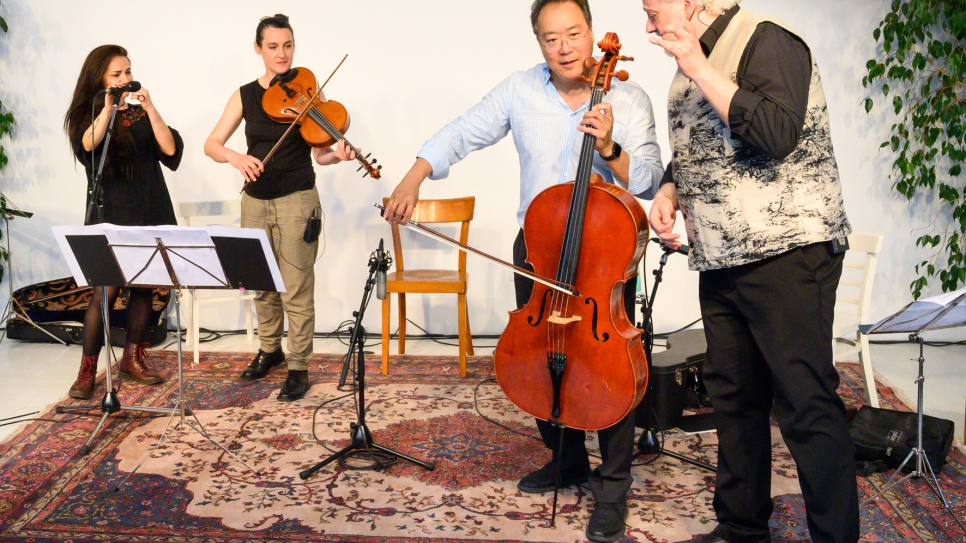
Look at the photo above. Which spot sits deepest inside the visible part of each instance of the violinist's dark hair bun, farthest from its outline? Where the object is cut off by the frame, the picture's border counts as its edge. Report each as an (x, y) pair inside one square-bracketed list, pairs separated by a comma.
[(275, 21)]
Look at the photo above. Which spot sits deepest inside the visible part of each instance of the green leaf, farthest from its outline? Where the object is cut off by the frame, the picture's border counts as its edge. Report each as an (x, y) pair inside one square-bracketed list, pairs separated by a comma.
[(897, 103), (875, 33), (868, 105), (885, 89), (955, 170)]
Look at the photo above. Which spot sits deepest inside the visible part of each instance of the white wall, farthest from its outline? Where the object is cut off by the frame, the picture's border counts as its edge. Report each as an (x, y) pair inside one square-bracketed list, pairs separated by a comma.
[(413, 66)]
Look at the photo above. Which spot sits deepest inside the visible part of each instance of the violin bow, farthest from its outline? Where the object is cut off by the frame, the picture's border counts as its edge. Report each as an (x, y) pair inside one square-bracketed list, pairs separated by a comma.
[(426, 231), (298, 118)]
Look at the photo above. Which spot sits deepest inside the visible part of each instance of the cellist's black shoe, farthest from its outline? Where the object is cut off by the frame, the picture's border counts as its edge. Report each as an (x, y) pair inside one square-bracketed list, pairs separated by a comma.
[(543, 479), (296, 385), (607, 522), (262, 363)]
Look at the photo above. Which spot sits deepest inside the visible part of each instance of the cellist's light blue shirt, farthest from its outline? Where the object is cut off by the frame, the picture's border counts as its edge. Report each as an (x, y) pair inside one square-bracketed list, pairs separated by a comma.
[(546, 136)]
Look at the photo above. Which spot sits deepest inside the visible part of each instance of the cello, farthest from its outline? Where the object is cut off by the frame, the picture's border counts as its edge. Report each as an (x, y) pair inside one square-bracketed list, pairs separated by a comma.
[(576, 360)]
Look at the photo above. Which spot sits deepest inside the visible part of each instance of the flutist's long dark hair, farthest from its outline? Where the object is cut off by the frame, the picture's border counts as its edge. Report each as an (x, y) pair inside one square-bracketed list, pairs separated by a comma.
[(78, 117)]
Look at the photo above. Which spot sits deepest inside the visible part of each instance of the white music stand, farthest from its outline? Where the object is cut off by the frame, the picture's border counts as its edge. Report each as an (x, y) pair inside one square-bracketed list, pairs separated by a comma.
[(181, 257), (936, 313)]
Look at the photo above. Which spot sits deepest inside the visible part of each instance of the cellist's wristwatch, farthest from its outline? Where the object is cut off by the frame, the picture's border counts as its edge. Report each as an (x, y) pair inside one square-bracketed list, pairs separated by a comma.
[(615, 152)]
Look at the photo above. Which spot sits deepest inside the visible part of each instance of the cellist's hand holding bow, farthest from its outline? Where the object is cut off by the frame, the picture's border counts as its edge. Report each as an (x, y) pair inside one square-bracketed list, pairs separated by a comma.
[(402, 203)]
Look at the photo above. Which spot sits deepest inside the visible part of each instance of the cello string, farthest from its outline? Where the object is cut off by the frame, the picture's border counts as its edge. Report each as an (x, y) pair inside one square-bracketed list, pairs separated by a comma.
[(572, 240)]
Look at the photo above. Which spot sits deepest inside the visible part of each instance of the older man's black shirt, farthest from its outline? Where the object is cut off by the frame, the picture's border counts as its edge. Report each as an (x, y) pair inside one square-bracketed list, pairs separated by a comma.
[(774, 74)]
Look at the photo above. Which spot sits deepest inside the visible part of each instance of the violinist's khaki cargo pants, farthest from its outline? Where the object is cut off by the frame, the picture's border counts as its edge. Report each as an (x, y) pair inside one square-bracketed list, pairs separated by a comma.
[(283, 220)]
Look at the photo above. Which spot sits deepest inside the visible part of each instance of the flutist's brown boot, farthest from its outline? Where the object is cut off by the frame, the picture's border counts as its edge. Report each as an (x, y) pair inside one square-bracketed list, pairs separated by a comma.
[(133, 365), (83, 387)]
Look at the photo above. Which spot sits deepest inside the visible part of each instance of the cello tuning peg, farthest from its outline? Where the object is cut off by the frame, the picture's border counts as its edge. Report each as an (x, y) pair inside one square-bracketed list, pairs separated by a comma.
[(622, 75), (379, 167), (359, 168), (375, 160), (368, 155)]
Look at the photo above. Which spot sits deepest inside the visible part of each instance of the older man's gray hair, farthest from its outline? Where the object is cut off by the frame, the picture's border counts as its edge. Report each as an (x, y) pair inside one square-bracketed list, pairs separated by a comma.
[(717, 6)]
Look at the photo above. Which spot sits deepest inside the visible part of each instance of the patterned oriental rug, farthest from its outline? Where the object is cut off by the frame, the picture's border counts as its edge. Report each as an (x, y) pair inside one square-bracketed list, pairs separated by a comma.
[(190, 491)]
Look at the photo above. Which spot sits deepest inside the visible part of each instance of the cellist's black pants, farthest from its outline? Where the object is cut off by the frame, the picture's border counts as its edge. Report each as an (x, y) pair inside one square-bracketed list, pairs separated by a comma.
[(769, 331), (612, 479)]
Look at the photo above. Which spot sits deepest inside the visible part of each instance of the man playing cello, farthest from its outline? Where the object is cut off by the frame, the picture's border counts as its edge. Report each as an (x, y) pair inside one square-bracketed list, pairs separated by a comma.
[(545, 107)]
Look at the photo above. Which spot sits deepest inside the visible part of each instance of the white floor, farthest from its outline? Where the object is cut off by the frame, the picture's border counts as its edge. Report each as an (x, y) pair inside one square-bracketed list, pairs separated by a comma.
[(36, 375)]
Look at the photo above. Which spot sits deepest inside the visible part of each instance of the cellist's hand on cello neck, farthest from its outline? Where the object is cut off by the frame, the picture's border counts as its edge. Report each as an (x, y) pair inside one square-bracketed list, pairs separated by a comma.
[(599, 122), (663, 215), (402, 203)]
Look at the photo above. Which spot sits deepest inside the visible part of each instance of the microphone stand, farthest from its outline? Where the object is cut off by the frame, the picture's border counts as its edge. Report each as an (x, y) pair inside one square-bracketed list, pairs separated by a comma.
[(95, 208), (649, 444), (361, 439)]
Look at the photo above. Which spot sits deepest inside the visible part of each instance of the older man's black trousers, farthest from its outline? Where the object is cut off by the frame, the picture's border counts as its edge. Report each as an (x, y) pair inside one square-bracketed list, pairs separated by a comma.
[(769, 331)]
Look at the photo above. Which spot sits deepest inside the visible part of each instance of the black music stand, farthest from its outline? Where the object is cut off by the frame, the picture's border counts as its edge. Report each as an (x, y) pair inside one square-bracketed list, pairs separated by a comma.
[(13, 307), (936, 313), (178, 258), (94, 264)]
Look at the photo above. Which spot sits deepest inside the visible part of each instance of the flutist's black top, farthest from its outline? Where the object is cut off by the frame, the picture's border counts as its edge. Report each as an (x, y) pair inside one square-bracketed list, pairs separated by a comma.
[(135, 193)]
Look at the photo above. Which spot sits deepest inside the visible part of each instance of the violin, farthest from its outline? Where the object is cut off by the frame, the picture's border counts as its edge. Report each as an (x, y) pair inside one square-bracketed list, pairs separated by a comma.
[(293, 98), (577, 360)]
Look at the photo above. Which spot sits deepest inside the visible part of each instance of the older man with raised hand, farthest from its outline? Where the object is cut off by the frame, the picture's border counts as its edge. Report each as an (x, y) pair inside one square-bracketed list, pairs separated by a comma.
[(754, 175)]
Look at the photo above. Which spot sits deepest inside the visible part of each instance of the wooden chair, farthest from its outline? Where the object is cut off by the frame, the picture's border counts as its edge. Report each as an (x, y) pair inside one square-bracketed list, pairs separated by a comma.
[(846, 322), (225, 213), (405, 281)]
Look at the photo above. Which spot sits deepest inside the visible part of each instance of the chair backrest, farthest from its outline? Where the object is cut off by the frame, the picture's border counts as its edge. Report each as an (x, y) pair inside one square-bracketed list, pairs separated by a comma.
[(871, 245), (450, 210), (221, 212)]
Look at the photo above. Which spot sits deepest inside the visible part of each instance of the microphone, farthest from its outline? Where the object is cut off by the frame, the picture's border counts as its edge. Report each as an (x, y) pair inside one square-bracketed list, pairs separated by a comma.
[(682, 250), (381, 272), (133, 86)]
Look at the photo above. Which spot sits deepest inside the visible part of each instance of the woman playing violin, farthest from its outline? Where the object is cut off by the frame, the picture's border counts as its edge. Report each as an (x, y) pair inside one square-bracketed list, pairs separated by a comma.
[(279, 197), (132, 190)]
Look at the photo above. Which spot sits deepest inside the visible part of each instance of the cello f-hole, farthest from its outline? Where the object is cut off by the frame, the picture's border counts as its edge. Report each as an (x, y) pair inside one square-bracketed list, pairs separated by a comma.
[(543, 305), (593, 323)]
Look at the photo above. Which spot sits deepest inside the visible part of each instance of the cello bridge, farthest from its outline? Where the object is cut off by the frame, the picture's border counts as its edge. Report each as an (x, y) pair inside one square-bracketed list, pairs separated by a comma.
[(556, 318)]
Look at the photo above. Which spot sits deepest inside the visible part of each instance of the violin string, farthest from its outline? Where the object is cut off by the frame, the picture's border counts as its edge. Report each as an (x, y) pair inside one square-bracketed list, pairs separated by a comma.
[(326, 125)]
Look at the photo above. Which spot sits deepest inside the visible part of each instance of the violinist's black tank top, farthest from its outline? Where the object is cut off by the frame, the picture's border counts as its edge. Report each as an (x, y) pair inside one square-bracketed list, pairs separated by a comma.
[(290, 169)]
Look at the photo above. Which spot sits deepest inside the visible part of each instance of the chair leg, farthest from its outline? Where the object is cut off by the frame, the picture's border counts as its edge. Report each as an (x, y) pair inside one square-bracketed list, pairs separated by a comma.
[(385, 334), (249, 308), (401, 341), (196, 326), (190, 303), (865, 360), (463, 326), (469, 334)]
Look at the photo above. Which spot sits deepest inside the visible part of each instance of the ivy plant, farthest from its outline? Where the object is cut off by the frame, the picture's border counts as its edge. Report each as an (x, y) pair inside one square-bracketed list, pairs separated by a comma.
[(920, 72), (6, 128)]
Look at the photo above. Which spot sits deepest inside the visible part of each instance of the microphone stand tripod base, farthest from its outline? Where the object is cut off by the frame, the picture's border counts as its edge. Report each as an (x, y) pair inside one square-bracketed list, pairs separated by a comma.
[(361, 436)]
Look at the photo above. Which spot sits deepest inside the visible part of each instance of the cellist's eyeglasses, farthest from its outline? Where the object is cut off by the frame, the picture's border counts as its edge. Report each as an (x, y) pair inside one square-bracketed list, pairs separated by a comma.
[(553, 44)]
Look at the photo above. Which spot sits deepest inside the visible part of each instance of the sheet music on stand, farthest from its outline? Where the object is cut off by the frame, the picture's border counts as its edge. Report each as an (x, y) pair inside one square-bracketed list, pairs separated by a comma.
[(936, 313)]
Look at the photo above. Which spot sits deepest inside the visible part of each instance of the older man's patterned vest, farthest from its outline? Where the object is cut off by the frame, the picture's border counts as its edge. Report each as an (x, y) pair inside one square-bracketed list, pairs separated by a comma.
[(739, 205)]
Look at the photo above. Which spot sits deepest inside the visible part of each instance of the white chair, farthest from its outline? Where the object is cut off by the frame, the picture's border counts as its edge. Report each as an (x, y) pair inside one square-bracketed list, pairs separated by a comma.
[(225, 213), (847, 321)]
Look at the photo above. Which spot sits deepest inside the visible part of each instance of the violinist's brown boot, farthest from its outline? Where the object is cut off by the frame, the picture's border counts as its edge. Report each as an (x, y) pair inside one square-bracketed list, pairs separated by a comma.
[(133, 367), (83, 387)]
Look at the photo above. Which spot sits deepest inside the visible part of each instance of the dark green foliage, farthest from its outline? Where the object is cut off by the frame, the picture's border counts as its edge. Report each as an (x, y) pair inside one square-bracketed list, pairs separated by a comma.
[(922, 62), (6, 128)]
